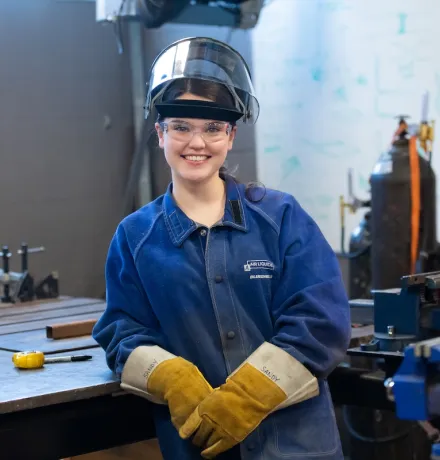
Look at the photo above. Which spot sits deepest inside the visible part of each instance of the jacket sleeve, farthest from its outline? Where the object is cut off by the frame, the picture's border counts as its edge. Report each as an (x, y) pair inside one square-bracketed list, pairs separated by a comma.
[(128, 322), (310, 312), (310, 307)]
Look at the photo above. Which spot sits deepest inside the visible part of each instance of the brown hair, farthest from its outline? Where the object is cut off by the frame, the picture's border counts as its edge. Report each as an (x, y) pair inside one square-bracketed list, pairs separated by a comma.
[(215, 92)]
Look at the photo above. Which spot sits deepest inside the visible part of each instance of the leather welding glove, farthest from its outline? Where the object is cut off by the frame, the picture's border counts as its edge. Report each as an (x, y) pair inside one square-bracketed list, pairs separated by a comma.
[(163, 378), (269, 380)]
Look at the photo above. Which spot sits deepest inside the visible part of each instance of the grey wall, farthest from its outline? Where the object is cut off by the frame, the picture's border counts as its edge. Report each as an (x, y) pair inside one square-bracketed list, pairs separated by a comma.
[(62, 174)]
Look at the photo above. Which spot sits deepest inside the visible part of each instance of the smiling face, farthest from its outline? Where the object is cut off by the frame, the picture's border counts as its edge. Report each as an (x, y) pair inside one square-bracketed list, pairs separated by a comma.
[(195, 149)]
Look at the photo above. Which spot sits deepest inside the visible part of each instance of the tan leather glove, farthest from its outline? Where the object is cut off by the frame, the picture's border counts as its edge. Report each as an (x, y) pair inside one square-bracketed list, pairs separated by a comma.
[(181, 385), (268, 380), (163, 378)]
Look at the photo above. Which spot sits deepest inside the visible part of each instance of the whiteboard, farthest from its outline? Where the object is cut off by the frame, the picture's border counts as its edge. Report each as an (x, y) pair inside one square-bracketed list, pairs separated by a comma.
[(330, 76)]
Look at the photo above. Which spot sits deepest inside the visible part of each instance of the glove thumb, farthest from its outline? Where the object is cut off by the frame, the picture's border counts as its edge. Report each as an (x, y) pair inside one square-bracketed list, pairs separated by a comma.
[(191, 425)]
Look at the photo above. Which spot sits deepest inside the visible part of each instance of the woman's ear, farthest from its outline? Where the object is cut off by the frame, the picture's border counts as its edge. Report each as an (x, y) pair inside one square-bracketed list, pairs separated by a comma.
[(232, 137), (159, 132)]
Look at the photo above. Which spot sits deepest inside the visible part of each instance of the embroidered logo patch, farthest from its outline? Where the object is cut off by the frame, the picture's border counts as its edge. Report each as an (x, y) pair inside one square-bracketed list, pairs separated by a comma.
[(259, 265)]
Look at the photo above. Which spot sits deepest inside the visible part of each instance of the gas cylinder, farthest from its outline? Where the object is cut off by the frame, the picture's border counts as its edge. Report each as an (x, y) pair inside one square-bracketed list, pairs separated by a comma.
[(392, 208), (400, 231), (359, 256)]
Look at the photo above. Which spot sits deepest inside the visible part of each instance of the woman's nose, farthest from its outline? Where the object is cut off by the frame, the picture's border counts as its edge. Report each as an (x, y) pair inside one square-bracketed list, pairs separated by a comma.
[(197, 141)]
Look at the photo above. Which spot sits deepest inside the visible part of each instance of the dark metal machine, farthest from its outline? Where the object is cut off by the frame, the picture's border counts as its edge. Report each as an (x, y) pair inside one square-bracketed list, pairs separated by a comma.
[(402, 316), (243, 14), (359, 251), (406, 347), (403, 206), (415, 389), (20, 286), (397, 235)]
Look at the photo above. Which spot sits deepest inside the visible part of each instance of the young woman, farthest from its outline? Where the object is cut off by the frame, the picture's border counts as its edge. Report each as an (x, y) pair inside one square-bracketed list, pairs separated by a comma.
[(225, 304)]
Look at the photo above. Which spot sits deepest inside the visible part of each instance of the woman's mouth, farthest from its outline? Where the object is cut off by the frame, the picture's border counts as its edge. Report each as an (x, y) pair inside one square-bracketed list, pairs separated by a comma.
[(195, 158)]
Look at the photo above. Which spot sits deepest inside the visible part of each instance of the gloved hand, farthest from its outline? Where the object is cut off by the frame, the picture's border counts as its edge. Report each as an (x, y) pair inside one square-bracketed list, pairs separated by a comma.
[(268, 380), (181, 385), (163, 378)]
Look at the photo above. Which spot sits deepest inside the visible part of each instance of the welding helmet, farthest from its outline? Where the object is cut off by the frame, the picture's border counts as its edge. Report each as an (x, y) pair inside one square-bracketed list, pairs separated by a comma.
[(204, 59)]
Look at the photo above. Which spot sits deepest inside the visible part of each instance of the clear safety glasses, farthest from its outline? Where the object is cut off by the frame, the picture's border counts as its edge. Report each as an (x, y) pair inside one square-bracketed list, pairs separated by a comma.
[(184, 132)]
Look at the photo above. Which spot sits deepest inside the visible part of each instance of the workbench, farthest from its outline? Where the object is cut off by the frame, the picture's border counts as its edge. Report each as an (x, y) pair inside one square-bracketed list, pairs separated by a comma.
[(68, 409), (63, 409)]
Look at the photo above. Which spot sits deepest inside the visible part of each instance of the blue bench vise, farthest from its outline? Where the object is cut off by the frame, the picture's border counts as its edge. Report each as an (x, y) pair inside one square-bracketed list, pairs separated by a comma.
[(402, 316), (407, 339), (415, 388)]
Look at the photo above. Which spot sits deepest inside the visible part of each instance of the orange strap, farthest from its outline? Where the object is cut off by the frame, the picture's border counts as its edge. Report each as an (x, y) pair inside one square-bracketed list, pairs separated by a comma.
[(414, 167)]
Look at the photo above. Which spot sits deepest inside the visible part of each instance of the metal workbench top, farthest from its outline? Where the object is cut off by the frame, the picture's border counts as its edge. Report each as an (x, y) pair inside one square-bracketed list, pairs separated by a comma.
[(63, 382), (55, 383), (22, 327)]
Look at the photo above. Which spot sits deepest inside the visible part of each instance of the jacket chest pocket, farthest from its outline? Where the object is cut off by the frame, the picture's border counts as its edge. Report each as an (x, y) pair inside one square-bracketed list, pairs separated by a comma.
[(308, 429)]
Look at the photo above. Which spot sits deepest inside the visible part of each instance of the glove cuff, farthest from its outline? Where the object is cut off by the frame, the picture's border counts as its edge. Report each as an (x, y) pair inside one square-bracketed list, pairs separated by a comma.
[(296, 381), (138, 368)]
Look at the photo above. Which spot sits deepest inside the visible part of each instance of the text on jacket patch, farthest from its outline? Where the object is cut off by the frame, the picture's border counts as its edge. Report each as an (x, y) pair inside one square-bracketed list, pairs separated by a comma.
[(258, 264), (270, 374), (150, 368)]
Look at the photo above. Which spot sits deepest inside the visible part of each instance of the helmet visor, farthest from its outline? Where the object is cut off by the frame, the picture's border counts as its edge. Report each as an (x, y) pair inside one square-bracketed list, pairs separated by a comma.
[(205, 59)]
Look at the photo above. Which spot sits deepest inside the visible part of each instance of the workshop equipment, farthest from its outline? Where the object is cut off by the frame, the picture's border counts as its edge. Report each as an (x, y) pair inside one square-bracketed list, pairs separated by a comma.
[(402, 315), (398, 233), (415, 389), (403, 205), (243, 14), (36, 359), (20, 286), (71, 329), (359, 253)]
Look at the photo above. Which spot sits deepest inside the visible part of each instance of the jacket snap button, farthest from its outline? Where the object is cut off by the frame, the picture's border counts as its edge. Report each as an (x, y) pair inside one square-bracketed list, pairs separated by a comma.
[(251, 446), (218, 278), (231, 334)]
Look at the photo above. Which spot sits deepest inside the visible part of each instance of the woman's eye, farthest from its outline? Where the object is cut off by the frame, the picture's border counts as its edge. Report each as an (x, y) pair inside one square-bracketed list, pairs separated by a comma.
[(180, 128), (214, 128)]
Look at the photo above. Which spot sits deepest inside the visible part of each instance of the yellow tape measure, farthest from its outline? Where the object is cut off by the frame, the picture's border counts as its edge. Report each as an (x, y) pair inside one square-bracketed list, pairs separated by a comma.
[(36, 359), (28, 359)]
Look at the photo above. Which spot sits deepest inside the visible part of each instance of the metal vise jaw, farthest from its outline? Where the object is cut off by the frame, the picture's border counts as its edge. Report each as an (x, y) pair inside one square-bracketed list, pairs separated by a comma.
[(405, 315)]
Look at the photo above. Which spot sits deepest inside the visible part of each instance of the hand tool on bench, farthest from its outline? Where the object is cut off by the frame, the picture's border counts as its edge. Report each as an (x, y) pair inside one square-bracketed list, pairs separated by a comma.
[(36, 359)]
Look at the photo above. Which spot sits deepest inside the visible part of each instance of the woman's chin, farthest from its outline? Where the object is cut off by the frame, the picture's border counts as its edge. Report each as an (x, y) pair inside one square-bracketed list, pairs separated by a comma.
[(196, 176)]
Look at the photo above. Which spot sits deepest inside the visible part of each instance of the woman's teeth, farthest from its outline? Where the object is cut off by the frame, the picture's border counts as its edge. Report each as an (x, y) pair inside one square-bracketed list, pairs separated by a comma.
[(196, 157)]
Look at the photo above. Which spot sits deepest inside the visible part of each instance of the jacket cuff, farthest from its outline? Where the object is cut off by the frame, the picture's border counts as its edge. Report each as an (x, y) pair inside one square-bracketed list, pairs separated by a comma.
[(138, 368), (285, 371)]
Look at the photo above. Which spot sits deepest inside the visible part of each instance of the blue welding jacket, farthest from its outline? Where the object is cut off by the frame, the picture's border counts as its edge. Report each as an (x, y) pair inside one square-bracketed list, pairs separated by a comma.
[(435, 451), (214, 295)]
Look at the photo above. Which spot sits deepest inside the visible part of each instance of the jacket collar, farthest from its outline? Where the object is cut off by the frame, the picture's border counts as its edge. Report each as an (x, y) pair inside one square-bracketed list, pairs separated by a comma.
[(180, 226)]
